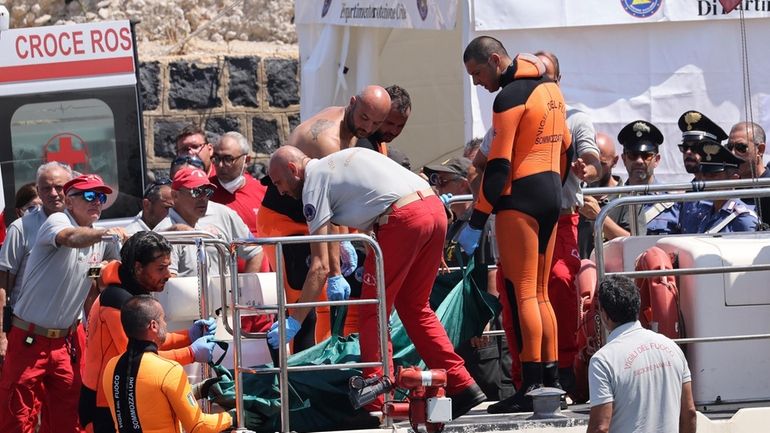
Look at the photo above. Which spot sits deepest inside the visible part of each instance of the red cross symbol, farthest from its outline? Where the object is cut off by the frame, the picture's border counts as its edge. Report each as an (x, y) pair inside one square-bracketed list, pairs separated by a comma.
[(66, 153)]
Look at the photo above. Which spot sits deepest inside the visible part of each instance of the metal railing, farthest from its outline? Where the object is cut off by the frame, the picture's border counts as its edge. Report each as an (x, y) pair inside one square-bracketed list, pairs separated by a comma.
[(681, 197), (284, 369)]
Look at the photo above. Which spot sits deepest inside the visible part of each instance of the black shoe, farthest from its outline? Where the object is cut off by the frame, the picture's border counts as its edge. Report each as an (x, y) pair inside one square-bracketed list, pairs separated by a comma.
[(466, 400), (516, 403)]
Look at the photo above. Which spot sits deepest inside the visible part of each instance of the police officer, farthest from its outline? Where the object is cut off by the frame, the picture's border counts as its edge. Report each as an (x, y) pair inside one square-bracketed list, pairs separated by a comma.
[(640, 140), (707, 216), (697, 130)]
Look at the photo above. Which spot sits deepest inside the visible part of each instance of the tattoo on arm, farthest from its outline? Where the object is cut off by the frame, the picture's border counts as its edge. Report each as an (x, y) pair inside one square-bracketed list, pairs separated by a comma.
[(318, 127)]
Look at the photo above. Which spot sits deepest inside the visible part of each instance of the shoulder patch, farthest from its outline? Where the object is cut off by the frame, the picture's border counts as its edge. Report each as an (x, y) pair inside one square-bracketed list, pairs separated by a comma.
[(309, 211), (191, 399)]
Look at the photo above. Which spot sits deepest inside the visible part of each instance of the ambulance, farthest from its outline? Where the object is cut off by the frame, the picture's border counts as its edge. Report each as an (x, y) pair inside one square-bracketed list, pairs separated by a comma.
[(70, 93)]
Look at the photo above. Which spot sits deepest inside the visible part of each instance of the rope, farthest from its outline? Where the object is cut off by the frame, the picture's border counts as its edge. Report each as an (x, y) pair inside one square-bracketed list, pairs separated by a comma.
[(747, 106)]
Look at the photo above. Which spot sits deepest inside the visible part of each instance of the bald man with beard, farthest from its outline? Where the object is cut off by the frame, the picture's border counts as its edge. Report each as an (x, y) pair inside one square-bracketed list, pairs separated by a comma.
[(331, 130)]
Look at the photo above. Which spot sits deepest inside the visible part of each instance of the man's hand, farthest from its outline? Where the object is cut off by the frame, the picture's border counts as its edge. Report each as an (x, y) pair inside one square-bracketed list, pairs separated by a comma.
[(201, 389), (119, 232), (202, 348), (337, 288), (590, 209), (292, 327), (580, 169), (469, 239), (348, 258), (202, 327)]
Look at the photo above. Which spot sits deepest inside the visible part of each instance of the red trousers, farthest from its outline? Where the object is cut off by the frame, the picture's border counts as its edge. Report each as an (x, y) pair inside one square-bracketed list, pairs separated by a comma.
[(46, 363), (561, 287), (412, 244)]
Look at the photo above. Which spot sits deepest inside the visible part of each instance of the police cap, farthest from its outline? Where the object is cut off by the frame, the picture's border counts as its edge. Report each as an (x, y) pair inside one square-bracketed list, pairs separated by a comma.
[(640, 136), (715, 158), (697, 127)]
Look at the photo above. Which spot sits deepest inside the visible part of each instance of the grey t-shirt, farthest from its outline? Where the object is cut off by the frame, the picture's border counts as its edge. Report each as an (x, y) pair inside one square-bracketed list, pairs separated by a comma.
[(19, 240), (641, 373), (353, 187), (584, 142), (56, 278), (219, 220)]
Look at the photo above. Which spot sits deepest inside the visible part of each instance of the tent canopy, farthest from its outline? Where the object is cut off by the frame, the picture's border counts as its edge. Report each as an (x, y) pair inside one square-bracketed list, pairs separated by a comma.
[(620, 61)]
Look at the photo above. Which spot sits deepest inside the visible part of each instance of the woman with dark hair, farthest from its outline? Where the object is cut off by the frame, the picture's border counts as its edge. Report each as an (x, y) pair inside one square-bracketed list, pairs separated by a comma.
[(26, 199)]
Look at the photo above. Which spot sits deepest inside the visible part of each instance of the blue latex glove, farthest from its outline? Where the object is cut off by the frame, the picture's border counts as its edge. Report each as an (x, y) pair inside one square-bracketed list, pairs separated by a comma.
[(445, 198), (337, 288), (202, 327), (348, 258), (292, 327), (469, 239), (202, 348)]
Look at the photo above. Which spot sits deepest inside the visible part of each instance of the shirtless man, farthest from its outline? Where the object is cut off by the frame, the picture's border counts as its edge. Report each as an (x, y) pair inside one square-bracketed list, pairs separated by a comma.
[(330, 130)]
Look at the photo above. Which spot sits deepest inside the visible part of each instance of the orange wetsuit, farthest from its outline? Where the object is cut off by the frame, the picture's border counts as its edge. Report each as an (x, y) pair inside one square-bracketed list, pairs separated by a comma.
[(522, 184), (106, 340), (153, 394)]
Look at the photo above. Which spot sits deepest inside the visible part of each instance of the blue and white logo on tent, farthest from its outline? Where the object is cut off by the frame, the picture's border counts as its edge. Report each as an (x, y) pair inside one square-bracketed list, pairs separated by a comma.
[(641, 8)]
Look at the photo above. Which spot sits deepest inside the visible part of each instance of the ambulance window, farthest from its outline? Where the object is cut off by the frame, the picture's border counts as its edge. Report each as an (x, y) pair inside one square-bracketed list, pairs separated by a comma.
[(79, 132)]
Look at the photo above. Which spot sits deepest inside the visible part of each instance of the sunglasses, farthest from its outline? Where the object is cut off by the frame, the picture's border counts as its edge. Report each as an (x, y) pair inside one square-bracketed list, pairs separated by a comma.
[(155, 185), (739, 147), (189, 160), (633, 155), (436, 180), (91, 196), (200, 191)]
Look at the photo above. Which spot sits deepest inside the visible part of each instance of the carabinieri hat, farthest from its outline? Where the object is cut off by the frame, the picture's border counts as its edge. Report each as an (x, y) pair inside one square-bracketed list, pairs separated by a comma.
[(715, 158), (697, 127), (640, 136)]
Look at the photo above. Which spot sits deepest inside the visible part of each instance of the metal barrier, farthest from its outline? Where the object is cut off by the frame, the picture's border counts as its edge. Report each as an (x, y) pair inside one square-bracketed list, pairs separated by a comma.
[(283, 369), (691, 196)]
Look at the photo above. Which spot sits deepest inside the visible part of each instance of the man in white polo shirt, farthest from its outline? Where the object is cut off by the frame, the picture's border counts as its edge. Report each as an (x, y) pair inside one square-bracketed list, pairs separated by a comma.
[(366, 190), (639, 381), (194, 211), (45, 348)]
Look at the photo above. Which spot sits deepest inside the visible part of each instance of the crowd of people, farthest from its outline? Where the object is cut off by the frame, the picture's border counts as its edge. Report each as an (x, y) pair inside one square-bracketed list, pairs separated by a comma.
[(84, 346)]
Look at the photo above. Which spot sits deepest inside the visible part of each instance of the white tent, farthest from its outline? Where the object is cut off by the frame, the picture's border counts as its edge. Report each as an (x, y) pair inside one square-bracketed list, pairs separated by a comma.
[(621, 60)]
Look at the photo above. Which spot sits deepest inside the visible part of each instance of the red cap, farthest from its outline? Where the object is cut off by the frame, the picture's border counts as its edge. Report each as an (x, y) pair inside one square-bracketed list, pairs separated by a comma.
[(190, 177), (87, 182)]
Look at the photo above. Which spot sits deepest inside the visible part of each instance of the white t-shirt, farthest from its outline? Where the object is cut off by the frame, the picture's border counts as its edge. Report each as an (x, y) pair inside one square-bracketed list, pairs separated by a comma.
[(641, 373), (353, 187), (19, 240), (56, 280)]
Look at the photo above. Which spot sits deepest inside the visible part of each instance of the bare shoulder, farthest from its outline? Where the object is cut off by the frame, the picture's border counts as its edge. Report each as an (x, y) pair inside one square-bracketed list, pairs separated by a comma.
[(319, 135)]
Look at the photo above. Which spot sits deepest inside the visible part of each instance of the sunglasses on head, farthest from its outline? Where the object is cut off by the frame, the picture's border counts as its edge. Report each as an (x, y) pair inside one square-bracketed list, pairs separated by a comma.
[(739, 147), (189, 160), (155, 185), (91, 196), (200, 191)]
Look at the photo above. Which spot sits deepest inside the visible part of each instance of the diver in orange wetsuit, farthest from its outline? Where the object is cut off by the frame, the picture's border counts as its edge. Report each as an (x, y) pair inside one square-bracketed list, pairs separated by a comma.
[(147, 393), (522, 183)]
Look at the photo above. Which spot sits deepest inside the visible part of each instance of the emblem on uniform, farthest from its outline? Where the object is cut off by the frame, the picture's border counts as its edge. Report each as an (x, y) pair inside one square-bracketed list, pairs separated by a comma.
[(710, 149), (641, 128), (191, 399), (691, 118), (309, 211)]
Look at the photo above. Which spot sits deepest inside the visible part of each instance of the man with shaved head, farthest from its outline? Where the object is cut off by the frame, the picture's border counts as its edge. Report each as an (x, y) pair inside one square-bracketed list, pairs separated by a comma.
[(375, 193), (332, 129)]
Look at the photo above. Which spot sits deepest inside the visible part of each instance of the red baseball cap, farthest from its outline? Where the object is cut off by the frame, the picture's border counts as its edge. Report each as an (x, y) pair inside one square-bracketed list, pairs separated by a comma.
[(87, 182), (190, 177)]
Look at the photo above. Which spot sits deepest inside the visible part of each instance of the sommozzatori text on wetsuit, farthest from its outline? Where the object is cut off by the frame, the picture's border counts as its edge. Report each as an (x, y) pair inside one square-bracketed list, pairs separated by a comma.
[(331, 181)]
